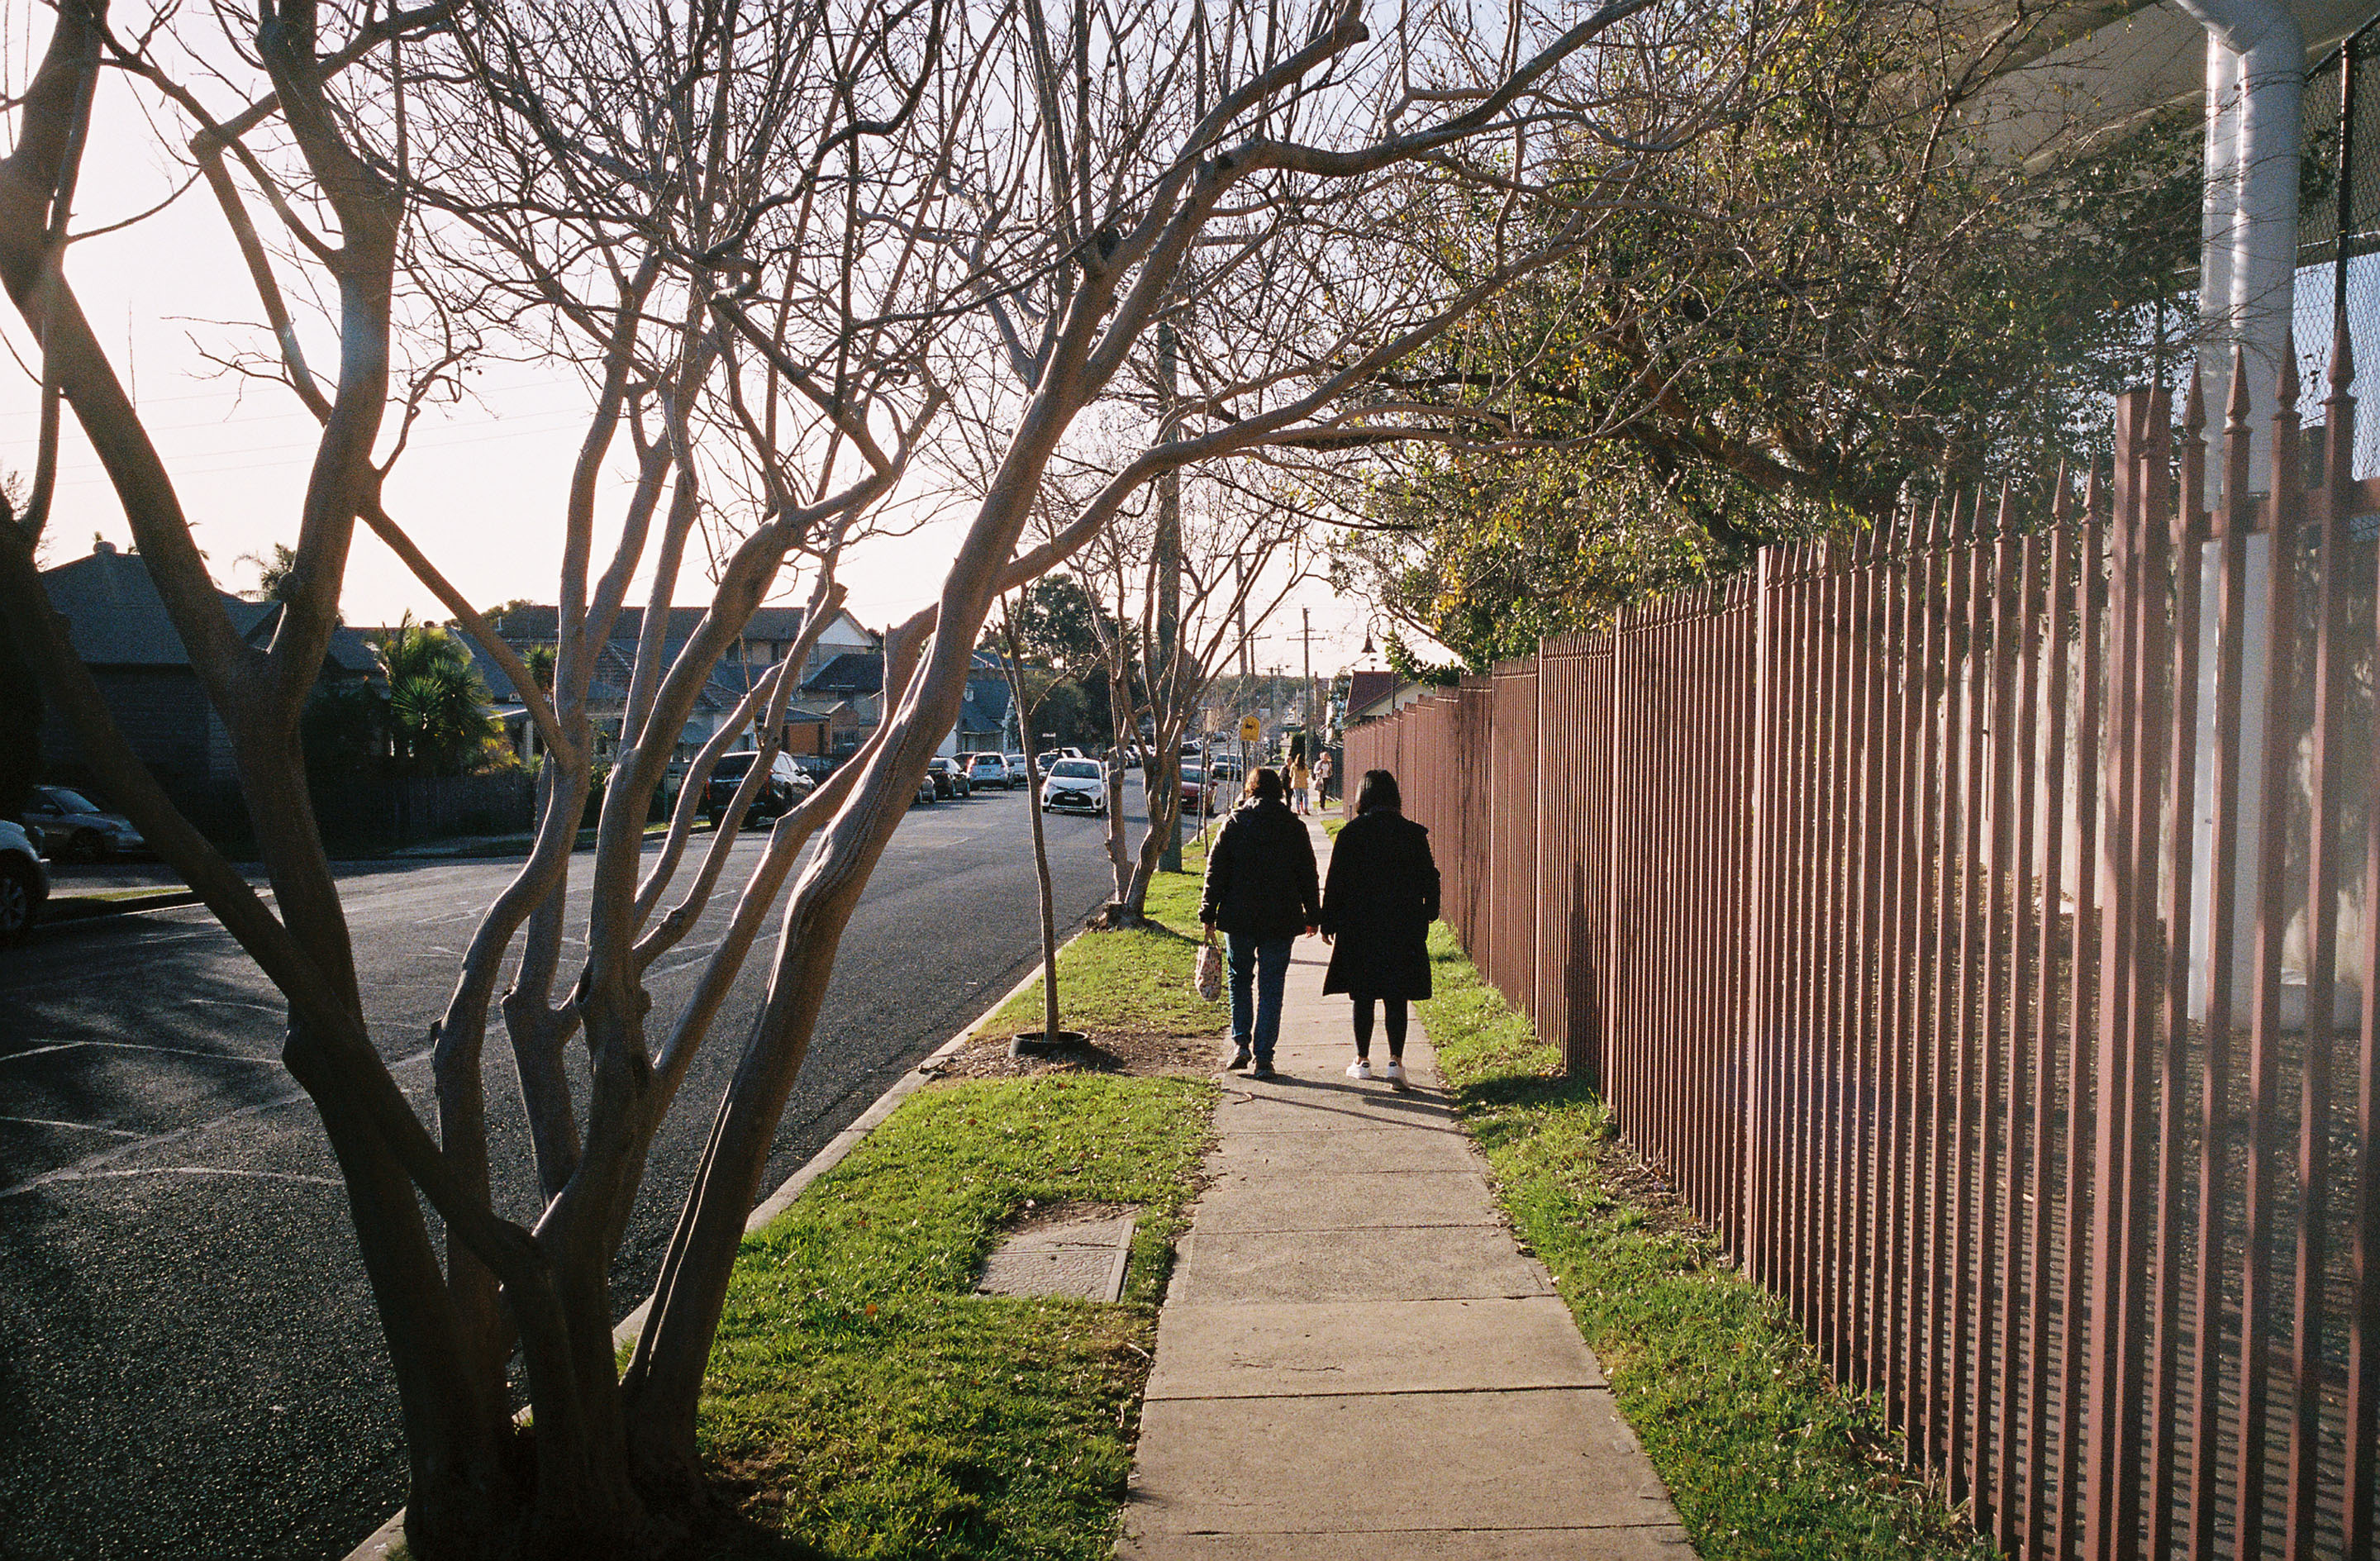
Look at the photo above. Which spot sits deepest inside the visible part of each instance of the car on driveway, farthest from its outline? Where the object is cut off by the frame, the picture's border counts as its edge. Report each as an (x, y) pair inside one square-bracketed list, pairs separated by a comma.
[(1075, 786), (23, 884), (68, 826), (778, 795), (987, 770)]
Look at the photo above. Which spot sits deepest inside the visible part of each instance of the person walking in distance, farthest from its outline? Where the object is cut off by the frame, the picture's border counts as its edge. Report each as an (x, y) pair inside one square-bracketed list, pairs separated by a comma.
[(1322, 779), (1260, 894), (1376, 914)]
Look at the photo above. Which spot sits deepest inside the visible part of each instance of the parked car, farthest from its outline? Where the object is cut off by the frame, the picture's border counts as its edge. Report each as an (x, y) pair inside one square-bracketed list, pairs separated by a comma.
[(926, 793), (950, 780), (1019, 772), (1077, 785), (778, 795), (988, 770), (68, 826), (1043, 761), (1195, 786), (23, 884)]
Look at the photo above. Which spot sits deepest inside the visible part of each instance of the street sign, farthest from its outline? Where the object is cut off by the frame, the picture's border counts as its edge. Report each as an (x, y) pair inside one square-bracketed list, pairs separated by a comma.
[(1251, 729)]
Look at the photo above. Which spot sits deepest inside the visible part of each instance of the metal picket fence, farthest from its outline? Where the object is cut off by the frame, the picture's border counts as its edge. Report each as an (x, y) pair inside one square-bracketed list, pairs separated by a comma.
[(1973, 925)]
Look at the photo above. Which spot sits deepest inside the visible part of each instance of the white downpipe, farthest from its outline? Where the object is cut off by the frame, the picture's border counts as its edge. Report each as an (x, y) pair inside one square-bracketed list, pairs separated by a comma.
[(2256, 79), (2256, 75)]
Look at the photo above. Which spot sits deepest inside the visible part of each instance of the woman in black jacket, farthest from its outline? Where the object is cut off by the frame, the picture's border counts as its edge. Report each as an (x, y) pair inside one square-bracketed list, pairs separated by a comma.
[(1376, 912), (1260, 892)]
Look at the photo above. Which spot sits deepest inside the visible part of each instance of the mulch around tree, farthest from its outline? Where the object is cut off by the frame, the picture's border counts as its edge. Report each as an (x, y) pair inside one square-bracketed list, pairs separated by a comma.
[(1132, 1052)]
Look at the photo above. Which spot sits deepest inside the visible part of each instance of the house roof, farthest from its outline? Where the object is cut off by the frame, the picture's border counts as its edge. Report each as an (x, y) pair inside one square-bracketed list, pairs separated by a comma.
[(615, 666), (854, 672), (536, 623), (1365, 689), (115, 617)]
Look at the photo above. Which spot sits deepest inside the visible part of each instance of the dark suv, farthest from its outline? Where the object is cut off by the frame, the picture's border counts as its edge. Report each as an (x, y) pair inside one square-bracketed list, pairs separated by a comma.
[(786, 787), (950, 780)]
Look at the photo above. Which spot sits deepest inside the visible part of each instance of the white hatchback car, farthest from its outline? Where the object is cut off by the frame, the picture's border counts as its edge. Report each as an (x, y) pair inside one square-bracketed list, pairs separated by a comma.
[(1075, 785)]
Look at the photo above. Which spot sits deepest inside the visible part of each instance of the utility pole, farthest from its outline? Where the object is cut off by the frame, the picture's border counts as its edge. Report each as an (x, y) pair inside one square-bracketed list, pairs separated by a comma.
[(1306, 640), (1169, 603)]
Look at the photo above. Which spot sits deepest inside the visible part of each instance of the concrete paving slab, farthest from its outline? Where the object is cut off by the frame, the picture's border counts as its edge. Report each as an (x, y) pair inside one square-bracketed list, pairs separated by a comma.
[(1267, 1199), (1447, 1263), (1084, 1257), (1383, 1149), (1291, 1351), (1662, 1543), (1306, 1105), (1356, 1360), (1553, 1458)]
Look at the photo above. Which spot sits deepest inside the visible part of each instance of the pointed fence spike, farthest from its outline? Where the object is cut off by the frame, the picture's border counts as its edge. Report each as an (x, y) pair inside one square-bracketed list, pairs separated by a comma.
[(2287, 390), (2093, 492), (1934, 521), (2342, 356), (2193, 406), (2235, 407), (2006, 522), (2061, 497)]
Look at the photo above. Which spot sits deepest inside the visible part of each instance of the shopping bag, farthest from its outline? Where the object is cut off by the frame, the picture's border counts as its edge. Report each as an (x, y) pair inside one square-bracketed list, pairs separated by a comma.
[(1210, 970)]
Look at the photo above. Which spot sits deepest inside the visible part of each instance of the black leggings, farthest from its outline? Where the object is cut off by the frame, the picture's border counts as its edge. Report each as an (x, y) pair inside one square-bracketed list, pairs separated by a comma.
[(1395, 1008)]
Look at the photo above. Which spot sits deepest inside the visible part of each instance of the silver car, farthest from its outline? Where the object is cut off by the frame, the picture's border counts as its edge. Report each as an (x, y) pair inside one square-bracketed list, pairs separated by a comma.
[(69, 826), (23, 884)]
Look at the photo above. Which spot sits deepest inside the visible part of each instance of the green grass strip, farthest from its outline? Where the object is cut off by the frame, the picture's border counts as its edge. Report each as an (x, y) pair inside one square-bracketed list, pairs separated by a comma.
[(1764, 1455), (879, 1406), (1141, 979)]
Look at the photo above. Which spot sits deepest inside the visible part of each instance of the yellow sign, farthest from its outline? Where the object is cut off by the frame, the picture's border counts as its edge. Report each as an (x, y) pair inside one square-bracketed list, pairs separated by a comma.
[(1251, 729)]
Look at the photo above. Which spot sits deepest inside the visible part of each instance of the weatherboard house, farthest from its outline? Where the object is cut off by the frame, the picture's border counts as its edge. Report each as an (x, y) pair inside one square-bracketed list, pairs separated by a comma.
[(120, 629)]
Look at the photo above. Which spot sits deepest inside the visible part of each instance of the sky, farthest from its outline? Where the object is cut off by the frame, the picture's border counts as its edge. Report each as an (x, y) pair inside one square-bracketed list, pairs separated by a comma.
[(480, 487)]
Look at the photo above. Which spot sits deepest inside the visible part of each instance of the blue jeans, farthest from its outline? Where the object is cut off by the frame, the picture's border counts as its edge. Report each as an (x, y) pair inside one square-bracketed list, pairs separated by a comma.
[(1264, 963)]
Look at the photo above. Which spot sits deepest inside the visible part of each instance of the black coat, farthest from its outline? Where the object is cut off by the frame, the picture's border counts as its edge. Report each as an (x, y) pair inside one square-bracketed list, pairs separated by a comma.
[(1260, 874), (1378, 907)]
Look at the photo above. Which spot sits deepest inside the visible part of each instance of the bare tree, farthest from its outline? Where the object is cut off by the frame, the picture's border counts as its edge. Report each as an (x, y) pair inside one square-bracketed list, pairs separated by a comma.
[(1239, 555), (771, 240)]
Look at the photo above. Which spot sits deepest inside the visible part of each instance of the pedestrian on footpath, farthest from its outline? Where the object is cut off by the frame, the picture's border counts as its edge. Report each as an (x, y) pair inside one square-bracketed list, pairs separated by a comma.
[(1260, 893), (1376, 914), (1322, 779), (1300, 778)]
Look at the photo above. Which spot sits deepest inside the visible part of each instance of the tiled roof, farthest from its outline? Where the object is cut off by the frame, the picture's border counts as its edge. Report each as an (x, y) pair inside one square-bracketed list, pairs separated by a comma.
[(536, 624), (854, 671), (115, 617)]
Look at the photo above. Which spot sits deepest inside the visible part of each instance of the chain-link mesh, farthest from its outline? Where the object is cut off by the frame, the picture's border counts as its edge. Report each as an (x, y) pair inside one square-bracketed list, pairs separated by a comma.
[(2318, 231)]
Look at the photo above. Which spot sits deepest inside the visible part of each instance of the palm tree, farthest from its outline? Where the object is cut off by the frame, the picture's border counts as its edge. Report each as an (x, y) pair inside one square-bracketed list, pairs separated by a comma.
[(437, 704)]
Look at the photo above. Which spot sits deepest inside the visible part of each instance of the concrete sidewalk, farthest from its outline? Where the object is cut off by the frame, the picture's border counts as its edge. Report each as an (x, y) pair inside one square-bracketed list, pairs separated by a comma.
[(1354, 1359)]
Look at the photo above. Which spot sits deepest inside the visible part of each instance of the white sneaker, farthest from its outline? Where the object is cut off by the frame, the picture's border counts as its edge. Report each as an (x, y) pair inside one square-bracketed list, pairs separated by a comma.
[(1393, 1070), (1359, 1068)]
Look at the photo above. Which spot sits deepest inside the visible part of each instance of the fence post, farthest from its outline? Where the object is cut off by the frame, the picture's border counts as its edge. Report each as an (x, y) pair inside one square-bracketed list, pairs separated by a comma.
[(1759, 988)]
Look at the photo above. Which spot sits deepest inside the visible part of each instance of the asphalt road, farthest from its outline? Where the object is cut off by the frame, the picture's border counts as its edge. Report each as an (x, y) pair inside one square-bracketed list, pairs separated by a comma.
[(190, 1359)]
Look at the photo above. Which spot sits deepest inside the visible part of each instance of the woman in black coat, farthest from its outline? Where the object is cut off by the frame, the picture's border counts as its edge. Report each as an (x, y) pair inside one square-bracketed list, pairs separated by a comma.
[(1377, 907)]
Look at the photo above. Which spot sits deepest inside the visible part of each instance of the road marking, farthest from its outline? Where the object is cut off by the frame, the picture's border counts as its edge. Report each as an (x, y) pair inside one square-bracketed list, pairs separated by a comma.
[(197, 1170), (87, 1167), (79, 1127), (144, 1046), (36, 1051)]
